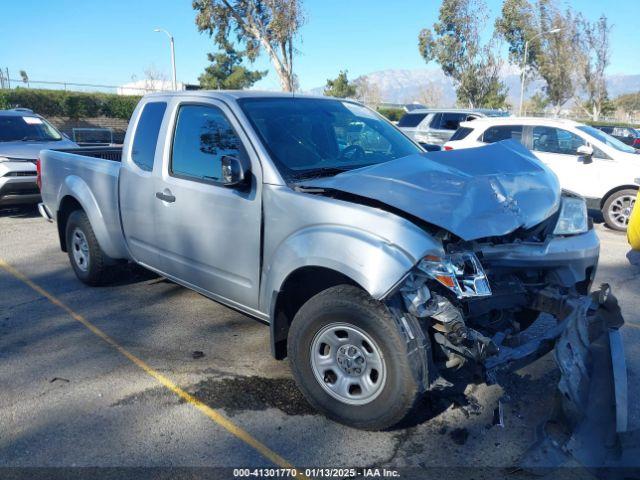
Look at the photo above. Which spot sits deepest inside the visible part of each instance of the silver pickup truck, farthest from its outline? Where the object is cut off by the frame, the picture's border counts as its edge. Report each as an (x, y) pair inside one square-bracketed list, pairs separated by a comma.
[(382, 270)]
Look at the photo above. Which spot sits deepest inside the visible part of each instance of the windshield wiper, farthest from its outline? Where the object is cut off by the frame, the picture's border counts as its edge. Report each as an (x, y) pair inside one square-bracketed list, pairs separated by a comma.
[(319, 172), (33, 139)]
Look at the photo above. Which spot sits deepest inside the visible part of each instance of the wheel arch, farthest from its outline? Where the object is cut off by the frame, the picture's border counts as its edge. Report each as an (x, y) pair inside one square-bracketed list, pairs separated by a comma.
[(68, 205), (606, 196), (298, 287)]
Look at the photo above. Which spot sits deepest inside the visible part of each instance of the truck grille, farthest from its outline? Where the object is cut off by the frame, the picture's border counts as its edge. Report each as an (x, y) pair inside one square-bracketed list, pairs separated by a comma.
[(20, 174)]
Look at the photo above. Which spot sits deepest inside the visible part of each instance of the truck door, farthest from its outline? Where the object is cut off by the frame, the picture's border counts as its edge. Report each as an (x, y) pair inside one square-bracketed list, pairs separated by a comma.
[(137, 184), (209, 234)]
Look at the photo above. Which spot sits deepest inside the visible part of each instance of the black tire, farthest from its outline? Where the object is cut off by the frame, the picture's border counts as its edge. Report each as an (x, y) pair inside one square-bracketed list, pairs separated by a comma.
[(98, 271), (613, 217), (350, 305)]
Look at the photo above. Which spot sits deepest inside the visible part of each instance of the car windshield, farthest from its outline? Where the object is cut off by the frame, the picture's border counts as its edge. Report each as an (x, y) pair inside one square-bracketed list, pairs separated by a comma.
[(309, 137), (16, 128), (607, 139)]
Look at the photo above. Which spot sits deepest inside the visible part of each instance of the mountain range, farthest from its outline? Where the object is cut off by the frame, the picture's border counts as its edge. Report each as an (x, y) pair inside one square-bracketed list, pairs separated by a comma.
[(406, 86)]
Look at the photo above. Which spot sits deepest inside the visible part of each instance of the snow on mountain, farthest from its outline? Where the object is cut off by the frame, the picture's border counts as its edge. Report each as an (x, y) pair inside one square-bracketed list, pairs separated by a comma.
[(407, 86)]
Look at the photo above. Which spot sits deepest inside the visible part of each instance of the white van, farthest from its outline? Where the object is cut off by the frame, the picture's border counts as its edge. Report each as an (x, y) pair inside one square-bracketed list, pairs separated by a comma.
[(586, 160)]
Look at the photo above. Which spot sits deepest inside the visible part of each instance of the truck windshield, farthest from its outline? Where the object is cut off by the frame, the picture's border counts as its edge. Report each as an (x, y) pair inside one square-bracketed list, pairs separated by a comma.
[(316, 137), (24, 128)]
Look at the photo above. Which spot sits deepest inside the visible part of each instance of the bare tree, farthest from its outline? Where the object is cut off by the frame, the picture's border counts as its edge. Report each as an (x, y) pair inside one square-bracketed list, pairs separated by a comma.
[(366, 91), (155, 80), (594, 62), (270, 25), (430, 95)]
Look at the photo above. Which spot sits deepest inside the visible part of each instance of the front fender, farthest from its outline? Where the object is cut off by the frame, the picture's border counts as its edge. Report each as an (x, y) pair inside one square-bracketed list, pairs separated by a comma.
[(370, 260), (102, 225)]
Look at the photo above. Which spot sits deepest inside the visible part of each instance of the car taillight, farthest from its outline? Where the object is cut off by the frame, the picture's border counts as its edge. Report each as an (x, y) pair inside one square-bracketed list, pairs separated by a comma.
[(38, 174), (636, 142), (447, 148)]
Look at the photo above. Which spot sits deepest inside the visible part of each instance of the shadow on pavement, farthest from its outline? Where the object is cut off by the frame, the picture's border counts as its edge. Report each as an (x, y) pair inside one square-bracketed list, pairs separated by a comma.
[(19, 211)]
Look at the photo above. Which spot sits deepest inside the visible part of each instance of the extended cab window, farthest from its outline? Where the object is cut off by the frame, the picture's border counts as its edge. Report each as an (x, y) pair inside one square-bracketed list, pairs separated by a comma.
[(145, 139), (502, 132), (203, 135)]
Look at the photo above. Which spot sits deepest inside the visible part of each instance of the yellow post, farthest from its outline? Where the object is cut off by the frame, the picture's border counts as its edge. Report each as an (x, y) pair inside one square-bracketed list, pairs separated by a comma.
[(633, 230)]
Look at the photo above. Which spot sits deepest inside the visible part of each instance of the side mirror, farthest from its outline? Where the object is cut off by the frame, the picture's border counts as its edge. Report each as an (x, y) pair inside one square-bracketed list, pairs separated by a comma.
[(586, 153), (235, 171)]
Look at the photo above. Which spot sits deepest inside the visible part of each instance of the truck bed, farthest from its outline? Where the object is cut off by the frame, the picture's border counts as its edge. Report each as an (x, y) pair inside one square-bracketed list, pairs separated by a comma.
[(89, 175)]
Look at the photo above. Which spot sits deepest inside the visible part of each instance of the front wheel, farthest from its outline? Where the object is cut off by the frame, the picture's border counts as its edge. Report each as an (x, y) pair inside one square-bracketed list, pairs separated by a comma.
[(350, 360), (617, 209), (89, 262)]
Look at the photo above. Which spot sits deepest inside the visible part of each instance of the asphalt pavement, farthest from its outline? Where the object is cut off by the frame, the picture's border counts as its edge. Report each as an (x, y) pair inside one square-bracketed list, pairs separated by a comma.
[(87, 379)]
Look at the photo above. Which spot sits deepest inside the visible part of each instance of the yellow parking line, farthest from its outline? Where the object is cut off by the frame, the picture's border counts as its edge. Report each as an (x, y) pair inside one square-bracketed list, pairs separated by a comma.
[(214, 415)]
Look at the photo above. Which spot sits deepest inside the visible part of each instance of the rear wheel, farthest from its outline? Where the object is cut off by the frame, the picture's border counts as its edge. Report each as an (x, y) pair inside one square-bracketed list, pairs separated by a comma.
[(350, 360), (617, 209), (88, 260)]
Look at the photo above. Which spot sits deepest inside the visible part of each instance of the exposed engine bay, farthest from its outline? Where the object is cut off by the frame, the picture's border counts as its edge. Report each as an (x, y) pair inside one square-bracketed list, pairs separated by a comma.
[(481, 310)]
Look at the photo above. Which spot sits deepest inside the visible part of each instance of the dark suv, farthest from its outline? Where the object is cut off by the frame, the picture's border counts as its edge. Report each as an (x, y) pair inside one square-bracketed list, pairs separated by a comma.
[(627, 135)]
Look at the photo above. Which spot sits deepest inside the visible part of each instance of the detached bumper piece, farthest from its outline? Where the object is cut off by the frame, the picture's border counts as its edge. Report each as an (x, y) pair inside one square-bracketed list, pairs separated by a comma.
[(589, 421)]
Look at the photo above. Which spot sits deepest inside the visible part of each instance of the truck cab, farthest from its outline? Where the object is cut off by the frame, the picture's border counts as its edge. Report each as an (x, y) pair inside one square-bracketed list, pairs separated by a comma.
[(378, 267)]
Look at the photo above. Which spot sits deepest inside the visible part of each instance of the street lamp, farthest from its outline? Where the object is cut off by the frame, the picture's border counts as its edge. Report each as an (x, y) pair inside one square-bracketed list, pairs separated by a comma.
[(173, 56), (524, 63)]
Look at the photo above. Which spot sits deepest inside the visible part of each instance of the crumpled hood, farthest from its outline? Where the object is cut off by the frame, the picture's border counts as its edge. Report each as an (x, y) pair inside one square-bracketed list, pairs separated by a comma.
[(473, 193)]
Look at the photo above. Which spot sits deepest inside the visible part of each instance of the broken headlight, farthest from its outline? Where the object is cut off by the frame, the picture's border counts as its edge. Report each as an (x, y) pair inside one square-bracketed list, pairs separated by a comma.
[(573, 217), (461, 273)]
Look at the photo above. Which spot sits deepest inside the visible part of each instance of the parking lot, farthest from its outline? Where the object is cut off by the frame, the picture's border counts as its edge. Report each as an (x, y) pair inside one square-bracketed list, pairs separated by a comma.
[(145, 373)]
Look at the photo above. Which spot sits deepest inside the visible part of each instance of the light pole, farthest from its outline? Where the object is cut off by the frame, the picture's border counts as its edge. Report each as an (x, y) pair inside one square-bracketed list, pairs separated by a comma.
[(174, 84), (524, 63)]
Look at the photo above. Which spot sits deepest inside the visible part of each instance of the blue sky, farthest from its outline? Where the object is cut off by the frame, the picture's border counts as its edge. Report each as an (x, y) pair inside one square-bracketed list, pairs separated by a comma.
[(91, 41)]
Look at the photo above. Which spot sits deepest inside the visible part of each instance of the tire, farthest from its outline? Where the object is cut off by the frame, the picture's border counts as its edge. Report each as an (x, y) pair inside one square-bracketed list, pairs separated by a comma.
[(394, 390), (89, 262), (617, 209)]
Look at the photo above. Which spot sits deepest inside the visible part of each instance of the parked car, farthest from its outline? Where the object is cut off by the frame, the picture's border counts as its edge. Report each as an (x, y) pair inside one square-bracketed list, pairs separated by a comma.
[(22, 135), (628, 135), (435, 126), (93, 137), (586, 160), (380, 268)]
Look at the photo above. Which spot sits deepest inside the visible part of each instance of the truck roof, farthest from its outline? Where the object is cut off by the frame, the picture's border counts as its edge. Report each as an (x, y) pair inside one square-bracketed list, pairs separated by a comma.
[(488, 121), (236, 94)]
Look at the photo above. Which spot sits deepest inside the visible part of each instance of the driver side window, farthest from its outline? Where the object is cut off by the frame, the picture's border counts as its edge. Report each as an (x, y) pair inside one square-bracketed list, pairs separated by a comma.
[(556, 140)]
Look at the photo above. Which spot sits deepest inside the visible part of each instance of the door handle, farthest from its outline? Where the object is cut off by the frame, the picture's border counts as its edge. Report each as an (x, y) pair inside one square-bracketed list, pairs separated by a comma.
[(165, 197)]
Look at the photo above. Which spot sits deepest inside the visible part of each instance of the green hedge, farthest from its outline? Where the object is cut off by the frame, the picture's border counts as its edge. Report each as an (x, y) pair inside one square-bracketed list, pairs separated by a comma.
[(70, 104), (392, 114), (614, 124)]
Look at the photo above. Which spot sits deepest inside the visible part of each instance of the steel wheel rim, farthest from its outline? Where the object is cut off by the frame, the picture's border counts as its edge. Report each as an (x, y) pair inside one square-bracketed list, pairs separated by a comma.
[(80, 249), (348, 364), (620, 210)]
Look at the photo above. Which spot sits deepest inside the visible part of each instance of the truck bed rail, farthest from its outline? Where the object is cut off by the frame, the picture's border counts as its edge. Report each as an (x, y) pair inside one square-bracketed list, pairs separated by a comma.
[(106, 153)]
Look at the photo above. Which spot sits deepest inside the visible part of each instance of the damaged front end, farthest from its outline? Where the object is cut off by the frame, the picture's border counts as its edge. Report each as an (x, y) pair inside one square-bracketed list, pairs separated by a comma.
[(495, 305)]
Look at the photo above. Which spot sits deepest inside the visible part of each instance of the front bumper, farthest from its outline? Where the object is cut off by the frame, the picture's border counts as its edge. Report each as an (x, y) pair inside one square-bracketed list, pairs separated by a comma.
[(570, 259), (19, 190)]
